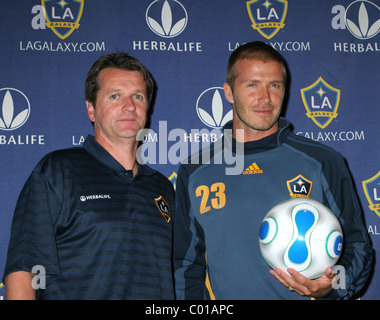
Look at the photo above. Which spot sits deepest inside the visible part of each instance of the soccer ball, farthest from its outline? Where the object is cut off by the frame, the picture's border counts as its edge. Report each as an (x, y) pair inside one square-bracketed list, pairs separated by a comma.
[(301, 234)]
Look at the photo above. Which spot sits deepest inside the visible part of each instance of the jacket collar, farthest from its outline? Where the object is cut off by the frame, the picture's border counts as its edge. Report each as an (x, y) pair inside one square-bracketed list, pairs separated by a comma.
[(102, 155), (265, 144)]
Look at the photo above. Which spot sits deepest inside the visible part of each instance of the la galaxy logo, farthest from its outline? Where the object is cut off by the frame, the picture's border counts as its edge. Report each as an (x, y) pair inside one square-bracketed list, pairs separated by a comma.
[(163, 207), (299, 187), (62, 16), (267, 16), (371, 189), (321, 101)]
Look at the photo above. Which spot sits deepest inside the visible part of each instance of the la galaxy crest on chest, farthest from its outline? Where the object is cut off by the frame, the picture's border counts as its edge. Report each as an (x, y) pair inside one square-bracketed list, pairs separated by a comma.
[(163, 207), (299, 187)]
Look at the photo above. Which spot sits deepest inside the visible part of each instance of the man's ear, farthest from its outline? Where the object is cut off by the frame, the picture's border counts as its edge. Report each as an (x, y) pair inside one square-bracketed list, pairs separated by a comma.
[(228, 93), (90, 111)]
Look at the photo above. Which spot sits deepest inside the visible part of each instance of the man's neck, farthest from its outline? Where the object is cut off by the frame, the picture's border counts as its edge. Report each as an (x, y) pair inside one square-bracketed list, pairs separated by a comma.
[(124, 153), (247, 135)]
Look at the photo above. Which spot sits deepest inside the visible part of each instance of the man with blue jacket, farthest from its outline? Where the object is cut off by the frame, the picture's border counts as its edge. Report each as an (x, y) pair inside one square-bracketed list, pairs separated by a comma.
[(218, 216)]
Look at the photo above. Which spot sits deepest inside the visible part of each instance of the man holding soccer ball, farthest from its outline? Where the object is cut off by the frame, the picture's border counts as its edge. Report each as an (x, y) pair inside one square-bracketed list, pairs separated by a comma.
[(218, 216)]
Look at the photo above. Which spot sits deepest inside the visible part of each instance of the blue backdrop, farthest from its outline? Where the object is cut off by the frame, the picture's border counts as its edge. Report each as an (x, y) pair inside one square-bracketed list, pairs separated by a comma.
[(48, 46)]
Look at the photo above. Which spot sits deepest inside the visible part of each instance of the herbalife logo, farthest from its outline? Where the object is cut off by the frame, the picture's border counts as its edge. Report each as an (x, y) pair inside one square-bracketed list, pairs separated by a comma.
[(361, 18), (211, 110), (167, 18), (15, 109), (94, 197)]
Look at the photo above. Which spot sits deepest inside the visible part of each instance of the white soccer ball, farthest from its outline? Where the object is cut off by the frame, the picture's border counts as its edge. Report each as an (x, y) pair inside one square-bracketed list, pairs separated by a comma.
[(302, 234)]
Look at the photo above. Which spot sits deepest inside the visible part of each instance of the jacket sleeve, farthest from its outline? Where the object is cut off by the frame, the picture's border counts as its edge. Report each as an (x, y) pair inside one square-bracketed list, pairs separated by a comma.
[(189, 246), (357, 254), (32, 241)]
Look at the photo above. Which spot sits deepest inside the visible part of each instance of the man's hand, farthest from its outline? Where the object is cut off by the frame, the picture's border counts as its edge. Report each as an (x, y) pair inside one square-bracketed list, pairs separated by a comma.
[(304, 286)]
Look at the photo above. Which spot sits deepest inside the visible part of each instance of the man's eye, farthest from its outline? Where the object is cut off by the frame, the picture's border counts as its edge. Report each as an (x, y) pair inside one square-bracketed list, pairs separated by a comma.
[(139, 97), (276, 85), (114, 96)]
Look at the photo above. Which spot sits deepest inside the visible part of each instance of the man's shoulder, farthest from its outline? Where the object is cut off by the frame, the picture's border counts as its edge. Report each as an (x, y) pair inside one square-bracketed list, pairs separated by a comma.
[(62, 157), (314, 149), (157, 176)]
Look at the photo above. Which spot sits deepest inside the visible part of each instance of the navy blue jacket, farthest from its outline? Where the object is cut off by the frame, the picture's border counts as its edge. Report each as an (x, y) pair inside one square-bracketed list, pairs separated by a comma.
[(98, 231)]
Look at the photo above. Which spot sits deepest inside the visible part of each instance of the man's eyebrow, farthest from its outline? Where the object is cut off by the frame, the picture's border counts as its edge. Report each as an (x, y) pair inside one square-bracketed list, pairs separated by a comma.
[(252, 80), (140, 91), (258, 81), (277, 81)]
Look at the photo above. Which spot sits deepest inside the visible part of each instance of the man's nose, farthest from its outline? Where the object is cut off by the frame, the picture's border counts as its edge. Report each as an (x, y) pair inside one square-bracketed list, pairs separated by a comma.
[(265, 94), (128, 104)]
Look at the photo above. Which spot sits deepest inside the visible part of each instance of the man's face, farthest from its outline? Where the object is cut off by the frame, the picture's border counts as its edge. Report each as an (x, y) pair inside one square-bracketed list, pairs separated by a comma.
[(121, 105), (257, 97)]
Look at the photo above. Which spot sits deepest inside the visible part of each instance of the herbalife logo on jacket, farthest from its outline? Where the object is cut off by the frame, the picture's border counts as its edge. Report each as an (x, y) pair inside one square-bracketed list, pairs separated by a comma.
[(94, 197)]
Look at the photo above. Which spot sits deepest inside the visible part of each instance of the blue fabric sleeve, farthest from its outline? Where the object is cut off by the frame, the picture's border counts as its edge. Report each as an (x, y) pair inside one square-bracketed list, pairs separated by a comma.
[(189, 246), (32, 241)]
